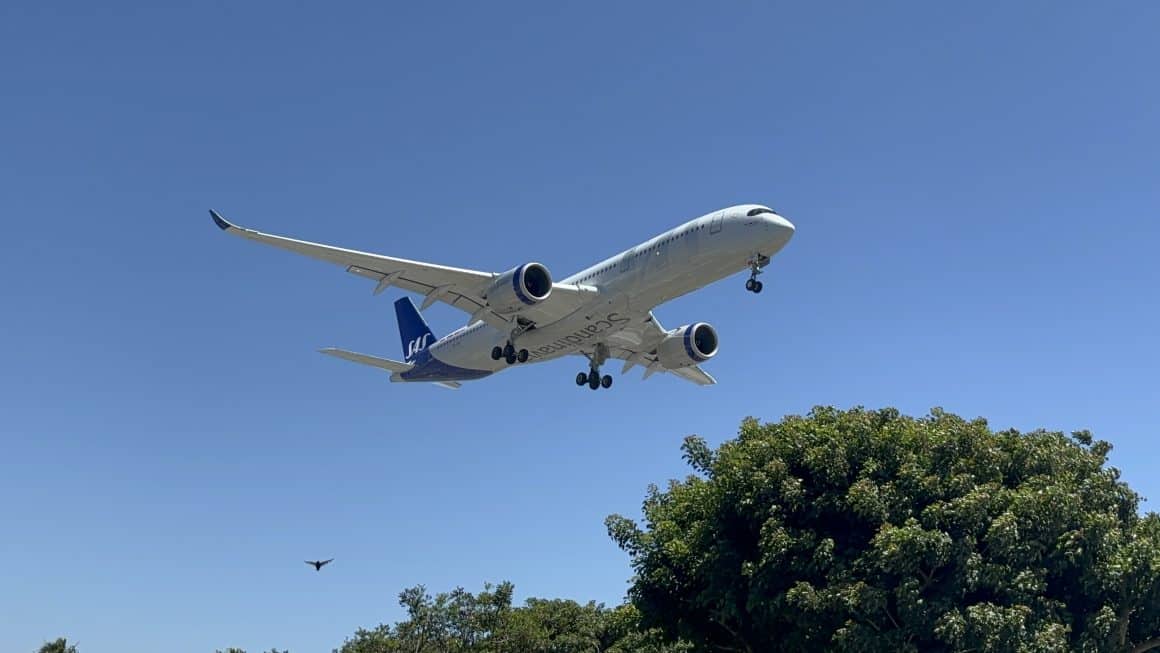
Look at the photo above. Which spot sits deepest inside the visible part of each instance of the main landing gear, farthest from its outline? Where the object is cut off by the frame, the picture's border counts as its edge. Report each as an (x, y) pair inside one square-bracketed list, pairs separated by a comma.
[(593, 380), (757, 263), (509, 353), (592, 377)]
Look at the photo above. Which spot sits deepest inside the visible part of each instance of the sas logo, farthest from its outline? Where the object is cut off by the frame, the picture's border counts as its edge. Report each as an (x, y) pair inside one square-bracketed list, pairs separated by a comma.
[(417, 345)]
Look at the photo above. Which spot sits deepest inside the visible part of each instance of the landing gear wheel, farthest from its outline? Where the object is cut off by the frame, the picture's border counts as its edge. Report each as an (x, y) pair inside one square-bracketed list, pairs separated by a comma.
[(606, 381), (510, 359), (496, 353), (509, 350), (581, 378), (594, 381), (522, 355), (757, 286), (750, 284)]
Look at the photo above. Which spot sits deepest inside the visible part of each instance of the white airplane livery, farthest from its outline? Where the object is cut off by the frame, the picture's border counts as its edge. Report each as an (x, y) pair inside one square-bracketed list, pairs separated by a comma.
[(523, 315)]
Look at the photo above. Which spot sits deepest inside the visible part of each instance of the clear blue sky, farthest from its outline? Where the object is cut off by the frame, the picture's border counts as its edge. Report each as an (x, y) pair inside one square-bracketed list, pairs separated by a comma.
[(976, 200)]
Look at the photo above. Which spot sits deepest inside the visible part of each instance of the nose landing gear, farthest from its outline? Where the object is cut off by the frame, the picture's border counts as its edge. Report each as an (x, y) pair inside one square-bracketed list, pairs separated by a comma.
[(757, 264)]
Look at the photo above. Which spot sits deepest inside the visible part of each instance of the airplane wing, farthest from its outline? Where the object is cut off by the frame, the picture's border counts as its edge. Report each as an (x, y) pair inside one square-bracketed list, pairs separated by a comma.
[(637, 344), (457, 287)]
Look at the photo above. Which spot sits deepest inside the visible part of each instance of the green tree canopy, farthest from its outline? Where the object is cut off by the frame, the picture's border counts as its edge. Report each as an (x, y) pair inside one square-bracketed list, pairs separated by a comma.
[(462, 622), (60, 645), (871, 531)]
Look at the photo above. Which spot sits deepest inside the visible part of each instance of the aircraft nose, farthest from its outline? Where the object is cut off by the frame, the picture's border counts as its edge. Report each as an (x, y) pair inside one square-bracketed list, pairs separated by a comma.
[(779, 227)]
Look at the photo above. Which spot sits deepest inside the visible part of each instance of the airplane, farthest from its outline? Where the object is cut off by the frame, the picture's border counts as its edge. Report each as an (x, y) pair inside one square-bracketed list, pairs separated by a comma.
[(523, 315)]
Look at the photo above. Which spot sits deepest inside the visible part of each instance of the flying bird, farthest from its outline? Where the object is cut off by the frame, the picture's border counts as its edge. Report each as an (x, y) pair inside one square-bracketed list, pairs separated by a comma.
[(318, 563)]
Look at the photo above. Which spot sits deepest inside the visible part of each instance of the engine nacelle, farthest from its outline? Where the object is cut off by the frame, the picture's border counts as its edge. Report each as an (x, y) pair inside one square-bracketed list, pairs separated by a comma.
[(688, 345), (520, 287)]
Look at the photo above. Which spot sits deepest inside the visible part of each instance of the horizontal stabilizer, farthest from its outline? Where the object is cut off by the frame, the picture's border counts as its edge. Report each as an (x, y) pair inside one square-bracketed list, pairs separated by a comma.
[(396, 367), (373, 361)]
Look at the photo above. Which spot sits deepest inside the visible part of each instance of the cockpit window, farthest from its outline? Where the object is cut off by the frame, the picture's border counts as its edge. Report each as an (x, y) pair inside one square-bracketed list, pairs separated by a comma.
[(758, 211)]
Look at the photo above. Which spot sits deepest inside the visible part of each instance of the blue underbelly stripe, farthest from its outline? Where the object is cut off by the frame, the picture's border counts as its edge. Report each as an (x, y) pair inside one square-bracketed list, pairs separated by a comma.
[(429, 368)]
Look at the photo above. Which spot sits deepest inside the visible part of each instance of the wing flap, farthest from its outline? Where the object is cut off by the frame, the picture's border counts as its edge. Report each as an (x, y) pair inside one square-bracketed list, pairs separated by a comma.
[(451, 295), (695, 374)]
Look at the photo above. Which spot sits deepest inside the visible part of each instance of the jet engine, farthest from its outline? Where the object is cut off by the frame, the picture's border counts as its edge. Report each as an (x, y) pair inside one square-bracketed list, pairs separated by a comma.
[(519, 287), (688, 345)]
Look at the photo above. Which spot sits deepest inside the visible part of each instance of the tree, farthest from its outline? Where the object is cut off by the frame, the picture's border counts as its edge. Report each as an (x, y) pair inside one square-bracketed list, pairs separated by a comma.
[(626, 635), (462, 622), (871, 531), (377, 640), (556, 625), (449, 622), (61, 645)]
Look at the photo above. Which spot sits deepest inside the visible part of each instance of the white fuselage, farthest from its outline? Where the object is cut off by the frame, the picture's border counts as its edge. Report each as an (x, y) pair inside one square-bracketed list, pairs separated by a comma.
[(631, 283)]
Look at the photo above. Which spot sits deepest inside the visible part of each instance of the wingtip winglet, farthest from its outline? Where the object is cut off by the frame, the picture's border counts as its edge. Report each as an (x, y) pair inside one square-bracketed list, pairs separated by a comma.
[(219, 220)]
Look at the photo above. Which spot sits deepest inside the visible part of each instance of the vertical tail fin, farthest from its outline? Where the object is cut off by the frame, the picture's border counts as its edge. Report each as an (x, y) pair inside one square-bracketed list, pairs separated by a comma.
[(413, 329)]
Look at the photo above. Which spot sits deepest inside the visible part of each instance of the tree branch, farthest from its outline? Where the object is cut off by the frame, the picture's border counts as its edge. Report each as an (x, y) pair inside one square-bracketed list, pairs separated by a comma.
[(1122, 625), (927, 579), (1147, 645), (892, 619), (734, 634)]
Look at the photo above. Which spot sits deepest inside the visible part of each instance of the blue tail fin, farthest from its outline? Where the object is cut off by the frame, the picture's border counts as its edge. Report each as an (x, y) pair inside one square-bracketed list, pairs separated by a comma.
[(413, 329)]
